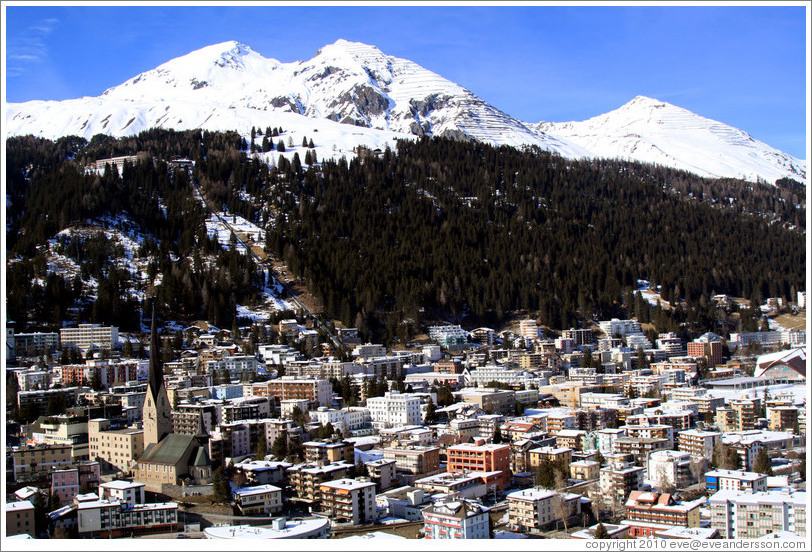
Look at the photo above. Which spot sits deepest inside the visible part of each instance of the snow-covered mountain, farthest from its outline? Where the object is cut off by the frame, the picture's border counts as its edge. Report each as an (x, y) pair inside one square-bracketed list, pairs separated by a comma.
[(653, 131), (353, 94)]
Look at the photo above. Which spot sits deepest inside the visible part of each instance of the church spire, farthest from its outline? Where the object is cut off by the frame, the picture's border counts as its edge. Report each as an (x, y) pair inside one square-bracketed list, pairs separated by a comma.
[(156, 370)]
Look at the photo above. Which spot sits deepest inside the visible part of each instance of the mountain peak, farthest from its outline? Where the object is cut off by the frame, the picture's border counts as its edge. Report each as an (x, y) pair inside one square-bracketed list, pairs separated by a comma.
[(645, 101)]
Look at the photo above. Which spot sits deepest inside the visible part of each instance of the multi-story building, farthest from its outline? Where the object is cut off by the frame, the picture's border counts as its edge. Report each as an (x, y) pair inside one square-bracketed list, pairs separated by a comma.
[(709, 350), (395, 409), (640, 447), (620, 327), (553, 454), (670, 469), (585, 470), (449, 335), (29, 461), (461, 485), (245, 408), (80, 478), (618, 480), (456, 519), (89, 336), (579, 336), (744, 514), (352, 500), (114, 448), (656, 431), (315, 390), (107, 518), (782, 418), (533, 510), (383, 473), (698, 443), (570, 438), (20, 518), (481, 458), (258, 500), (741, 414), (329, 451), (194, 419), (735, 480), (647, 513), (491, 400), (607, 437), (36, 343), (528, 329), (307, 478)]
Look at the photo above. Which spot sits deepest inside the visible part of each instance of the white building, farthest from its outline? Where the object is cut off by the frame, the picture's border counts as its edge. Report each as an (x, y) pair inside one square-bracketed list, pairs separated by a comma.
[(735, 480), (89, 336), (622, 327), (531, 510), (394, 409), (130, 493), (697, 442), (742, 514), (669, 468), (258, 500), (456, 519), (607, 437)]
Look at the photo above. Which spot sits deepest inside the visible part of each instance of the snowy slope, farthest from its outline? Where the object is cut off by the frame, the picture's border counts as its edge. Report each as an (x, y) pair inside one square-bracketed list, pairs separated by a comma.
[(653, 131), (352, 94)]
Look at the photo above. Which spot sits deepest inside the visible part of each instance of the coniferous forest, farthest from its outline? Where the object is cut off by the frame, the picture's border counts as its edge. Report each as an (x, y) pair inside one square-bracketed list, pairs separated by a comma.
[(438, 229)]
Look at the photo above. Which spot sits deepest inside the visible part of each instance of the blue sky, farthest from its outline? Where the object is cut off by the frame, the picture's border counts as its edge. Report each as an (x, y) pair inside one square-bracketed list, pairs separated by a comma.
[(743, 65)]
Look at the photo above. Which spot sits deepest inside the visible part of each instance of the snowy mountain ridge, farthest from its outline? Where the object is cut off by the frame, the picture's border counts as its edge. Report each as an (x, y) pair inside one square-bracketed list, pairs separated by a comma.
[(353, 94)]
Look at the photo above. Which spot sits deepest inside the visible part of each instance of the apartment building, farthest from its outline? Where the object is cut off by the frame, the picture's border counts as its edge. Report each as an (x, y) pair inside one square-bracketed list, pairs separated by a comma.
[(352, 500), (647, 513), (89, 336), (31, 460), (553, 454), (66, 483), (480, 458), (491, 400), (640, 447), (735, 480), (740, 414), (744, 514), (194, 419), (258, 500), (114, 448), (394, 409), (585, 470), (698, 443), (534, 510), (656, 431), (307, 478), (457, 484), (607, 437), (782, 418), (114, 518), (619, 479), (709, 350), (670, 469), (329, 451), (315, 390), (456, 519), (20, 518), (579, 336)]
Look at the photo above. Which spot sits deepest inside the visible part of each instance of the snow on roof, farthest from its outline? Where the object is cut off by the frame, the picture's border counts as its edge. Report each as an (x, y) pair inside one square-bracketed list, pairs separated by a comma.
[(19, 506)]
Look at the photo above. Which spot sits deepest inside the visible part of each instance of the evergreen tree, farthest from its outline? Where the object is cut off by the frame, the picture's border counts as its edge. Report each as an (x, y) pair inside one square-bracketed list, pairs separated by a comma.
[(220, 486), (261, 449), (763, 464), (601, 532), (280, 447), (431, 414)]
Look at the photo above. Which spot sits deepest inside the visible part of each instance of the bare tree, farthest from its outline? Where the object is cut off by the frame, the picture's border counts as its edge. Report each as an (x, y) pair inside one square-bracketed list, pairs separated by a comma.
[(698, 467), (560, 509)]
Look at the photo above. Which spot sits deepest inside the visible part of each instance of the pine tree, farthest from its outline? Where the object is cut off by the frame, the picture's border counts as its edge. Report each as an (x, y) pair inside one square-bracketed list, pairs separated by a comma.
[(763, 463), (601, 532)]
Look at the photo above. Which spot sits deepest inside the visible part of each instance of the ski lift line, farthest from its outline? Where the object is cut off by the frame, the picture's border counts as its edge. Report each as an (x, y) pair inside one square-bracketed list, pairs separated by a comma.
[(259, 260)]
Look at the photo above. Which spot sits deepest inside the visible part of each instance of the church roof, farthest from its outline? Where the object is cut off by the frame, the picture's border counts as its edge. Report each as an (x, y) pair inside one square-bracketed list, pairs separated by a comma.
[(169, 450)]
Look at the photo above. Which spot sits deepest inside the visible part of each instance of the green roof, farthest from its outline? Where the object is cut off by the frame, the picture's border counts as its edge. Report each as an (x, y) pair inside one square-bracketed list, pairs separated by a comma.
[(169, 450)]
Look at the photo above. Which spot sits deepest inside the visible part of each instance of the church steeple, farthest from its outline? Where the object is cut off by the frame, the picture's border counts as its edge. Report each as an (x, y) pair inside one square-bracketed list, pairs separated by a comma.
[(157, 412), (156, 368)]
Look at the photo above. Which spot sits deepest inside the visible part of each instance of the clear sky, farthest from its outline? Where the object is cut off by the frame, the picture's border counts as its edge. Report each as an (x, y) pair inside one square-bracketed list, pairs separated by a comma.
[(745, 66)]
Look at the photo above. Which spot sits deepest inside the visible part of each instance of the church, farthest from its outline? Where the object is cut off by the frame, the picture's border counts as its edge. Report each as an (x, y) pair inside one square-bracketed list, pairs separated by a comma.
[(169, 459)]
